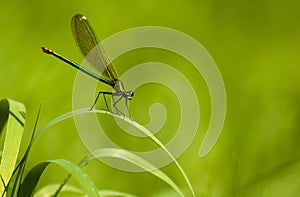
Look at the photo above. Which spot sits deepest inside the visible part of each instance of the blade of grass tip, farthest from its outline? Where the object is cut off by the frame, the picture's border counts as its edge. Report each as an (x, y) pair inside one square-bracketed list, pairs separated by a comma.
[(31, 180), (13, 136)]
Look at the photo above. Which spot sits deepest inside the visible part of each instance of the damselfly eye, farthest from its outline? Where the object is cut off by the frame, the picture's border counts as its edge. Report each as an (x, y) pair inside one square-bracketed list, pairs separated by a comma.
[(129, 95)]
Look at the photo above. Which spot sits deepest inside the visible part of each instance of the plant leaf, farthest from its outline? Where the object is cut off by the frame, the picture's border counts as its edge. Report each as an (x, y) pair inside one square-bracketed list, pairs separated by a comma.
[(106, 193), (135, 124), (4, 112), (134, 159), (12, 115), (48, 190), (31, 180)]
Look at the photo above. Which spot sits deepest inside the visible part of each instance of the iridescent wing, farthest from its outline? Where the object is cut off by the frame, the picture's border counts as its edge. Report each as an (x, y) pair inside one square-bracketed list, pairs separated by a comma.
[(89, 46)]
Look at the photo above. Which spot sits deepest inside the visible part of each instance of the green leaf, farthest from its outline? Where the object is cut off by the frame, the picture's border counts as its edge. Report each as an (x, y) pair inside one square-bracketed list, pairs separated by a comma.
[(31, 180), (17, 177), (48, 190), (106, 193), (135, 124), (12, 115), (126, 156), (4, 112), (134, 159)]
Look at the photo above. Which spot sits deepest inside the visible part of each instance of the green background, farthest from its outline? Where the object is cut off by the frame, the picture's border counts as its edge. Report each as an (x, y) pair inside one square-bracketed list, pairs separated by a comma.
[(255, 45)]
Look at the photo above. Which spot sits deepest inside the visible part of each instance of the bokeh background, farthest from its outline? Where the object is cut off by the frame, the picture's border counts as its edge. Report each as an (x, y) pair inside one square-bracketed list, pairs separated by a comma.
[(255, 45)]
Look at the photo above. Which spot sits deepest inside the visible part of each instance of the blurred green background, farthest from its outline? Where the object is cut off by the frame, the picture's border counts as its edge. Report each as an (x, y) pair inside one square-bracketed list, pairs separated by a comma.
[(255, 45)]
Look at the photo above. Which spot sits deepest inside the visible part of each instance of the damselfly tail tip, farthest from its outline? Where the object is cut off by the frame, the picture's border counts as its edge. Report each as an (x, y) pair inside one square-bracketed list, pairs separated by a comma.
[(46, 50)]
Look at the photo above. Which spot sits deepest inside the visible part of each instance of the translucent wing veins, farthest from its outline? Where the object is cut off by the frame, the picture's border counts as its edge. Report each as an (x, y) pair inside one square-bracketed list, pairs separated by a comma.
[(91, 49)]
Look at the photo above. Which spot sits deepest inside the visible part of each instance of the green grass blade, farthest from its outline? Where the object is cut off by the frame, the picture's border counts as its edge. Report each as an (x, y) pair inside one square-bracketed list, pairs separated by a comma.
[(159, 143), (14, 114), (31, 180), (107, 193), (48, 190), (129, 157), (135, 124), (61, 118), (134, 159), (17, 177)]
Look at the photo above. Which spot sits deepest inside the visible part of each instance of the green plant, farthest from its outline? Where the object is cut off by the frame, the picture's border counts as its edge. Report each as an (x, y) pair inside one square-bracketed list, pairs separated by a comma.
[(18, 183)]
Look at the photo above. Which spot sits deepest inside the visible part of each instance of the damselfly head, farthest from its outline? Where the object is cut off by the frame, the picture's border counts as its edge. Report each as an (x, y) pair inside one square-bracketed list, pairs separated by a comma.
[(129, 94)]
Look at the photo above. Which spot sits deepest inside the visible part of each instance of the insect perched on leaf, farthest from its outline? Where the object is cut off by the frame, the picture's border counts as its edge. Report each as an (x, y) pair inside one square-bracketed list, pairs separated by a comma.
[(94, 53)]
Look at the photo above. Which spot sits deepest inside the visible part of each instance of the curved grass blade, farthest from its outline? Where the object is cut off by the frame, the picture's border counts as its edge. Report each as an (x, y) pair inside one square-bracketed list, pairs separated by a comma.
[(134, 159), (89, 46), (66, 116), (126, 156), (31, 180), (12, 112), (48, 190), (107, 193), (140, 127)]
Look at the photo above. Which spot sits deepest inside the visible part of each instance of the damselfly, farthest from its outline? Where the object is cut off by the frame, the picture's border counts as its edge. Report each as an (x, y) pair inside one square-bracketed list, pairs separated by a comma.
[(89, 46)]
